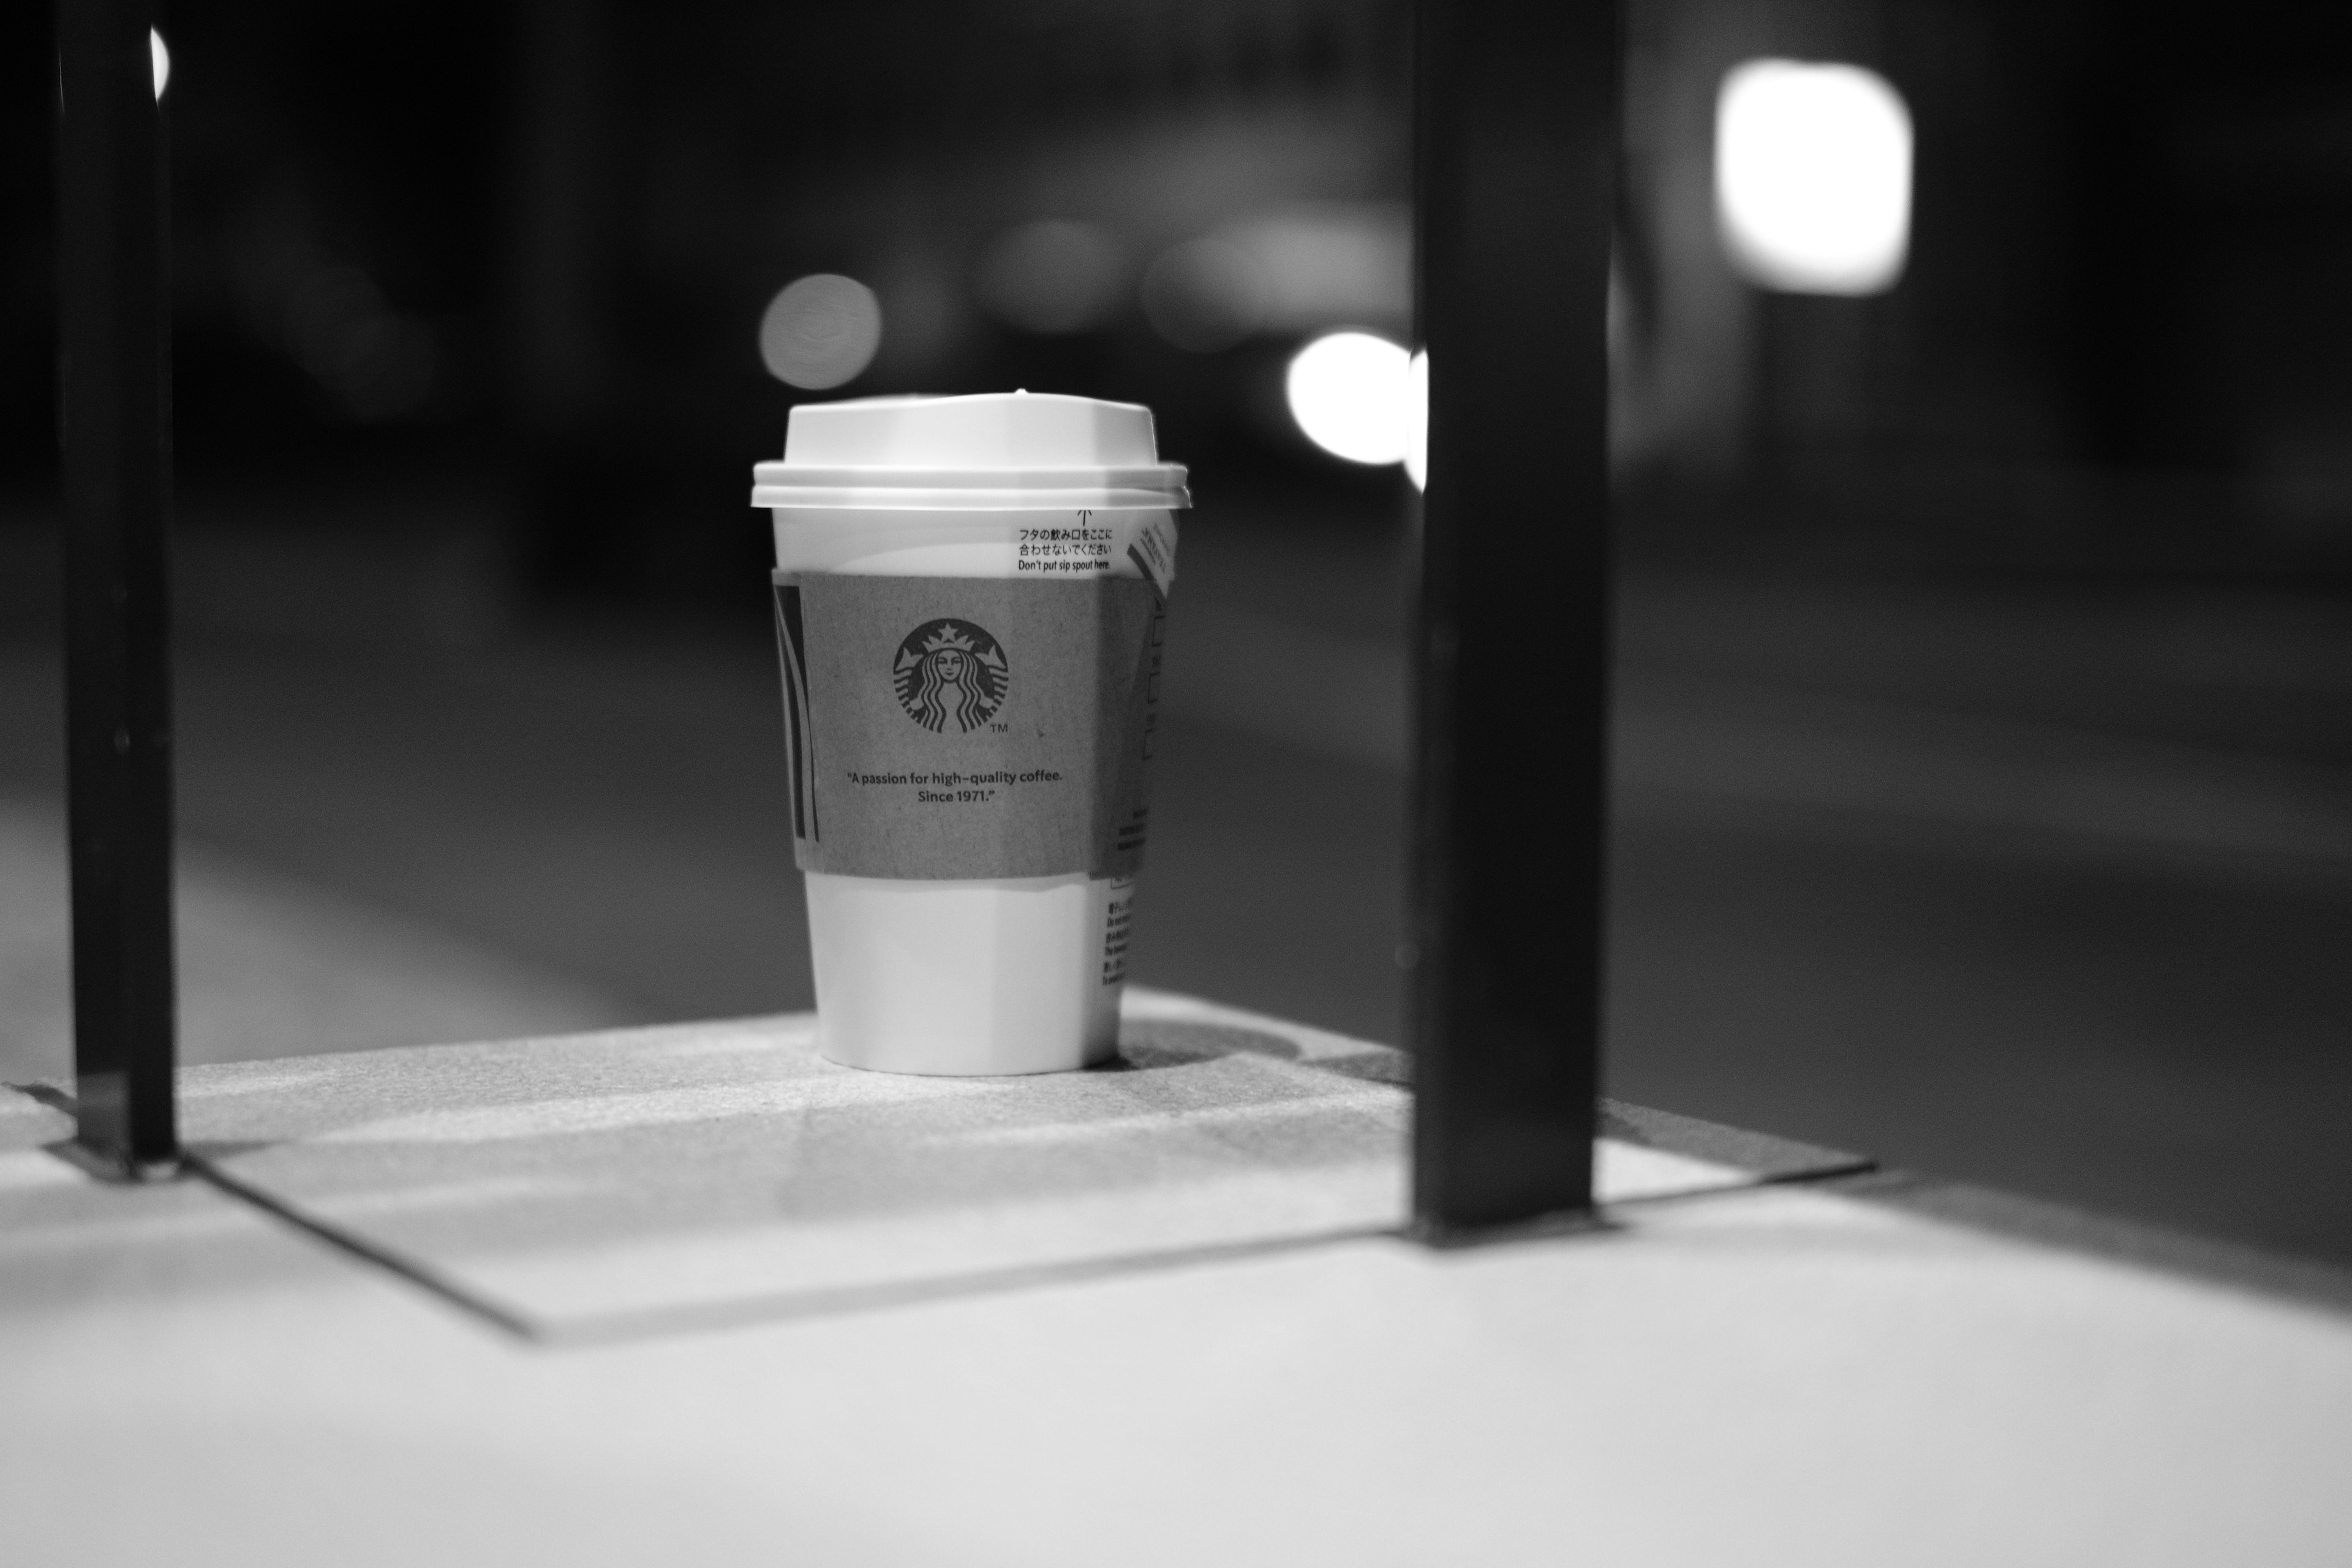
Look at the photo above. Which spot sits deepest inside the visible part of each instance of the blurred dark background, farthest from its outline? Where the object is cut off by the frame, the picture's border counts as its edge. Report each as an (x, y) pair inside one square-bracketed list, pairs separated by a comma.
[(1985, 632)]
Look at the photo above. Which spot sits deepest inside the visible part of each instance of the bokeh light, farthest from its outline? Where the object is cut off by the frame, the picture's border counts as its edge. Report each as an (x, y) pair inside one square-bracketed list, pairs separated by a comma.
[(1813, 176), (821, 330), (1330, 264), (1053, 277), (1351, 394), (161, 59), (1205, 296)]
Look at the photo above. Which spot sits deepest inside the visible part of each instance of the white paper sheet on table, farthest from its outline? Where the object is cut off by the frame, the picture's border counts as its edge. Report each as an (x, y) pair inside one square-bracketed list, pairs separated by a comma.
[(622, 1181)]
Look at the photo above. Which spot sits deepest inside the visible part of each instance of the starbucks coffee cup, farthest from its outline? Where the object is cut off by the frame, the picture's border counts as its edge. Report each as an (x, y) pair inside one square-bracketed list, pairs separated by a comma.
[(969, 597)]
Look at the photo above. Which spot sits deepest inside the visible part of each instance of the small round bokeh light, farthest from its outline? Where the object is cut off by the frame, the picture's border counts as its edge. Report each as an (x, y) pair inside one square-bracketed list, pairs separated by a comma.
[(1353, 394), (821, 330)]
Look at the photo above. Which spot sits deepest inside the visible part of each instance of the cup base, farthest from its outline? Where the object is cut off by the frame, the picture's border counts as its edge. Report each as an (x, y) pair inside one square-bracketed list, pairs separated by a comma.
[(958, 1063), (966, 979)]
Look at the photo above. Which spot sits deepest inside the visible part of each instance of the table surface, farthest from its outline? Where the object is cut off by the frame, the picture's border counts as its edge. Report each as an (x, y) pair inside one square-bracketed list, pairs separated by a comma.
[(1865, 1369)]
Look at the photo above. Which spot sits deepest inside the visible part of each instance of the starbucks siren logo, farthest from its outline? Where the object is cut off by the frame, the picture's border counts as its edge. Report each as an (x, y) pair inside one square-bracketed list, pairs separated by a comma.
[(951, 676)]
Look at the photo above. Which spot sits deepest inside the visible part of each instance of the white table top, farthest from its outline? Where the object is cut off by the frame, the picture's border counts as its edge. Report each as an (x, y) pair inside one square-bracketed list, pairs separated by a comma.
[(1811, 1375)]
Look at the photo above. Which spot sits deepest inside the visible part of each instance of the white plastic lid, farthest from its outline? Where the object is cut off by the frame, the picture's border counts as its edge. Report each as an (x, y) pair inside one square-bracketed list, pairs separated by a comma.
[(996, 451)]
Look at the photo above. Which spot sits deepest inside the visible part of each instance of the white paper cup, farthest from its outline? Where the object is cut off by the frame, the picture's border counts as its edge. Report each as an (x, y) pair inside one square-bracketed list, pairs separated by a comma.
[(966, 974)]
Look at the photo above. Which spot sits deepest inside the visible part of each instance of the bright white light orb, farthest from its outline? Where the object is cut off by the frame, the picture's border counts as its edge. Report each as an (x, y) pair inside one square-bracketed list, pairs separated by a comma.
[(821, 330), (162, 59), (1351, 392), (1813, 176)]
